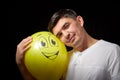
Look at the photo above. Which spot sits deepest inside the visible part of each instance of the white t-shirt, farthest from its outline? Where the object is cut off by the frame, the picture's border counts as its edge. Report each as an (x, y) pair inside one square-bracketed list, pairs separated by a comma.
[(101, 61)]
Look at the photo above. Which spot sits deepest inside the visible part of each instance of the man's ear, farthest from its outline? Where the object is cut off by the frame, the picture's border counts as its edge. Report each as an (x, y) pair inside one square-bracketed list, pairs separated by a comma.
[(80, 20)]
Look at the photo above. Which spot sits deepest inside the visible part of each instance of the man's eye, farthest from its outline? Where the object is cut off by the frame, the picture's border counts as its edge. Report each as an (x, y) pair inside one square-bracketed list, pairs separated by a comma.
[(66, 26), (59, 35)]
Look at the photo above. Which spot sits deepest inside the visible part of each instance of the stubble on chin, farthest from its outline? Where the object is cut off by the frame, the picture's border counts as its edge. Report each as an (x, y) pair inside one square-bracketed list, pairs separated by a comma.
[(76, 43)]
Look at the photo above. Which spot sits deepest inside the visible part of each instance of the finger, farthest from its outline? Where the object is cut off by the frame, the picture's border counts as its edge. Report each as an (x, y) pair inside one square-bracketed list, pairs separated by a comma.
[(25, 42)]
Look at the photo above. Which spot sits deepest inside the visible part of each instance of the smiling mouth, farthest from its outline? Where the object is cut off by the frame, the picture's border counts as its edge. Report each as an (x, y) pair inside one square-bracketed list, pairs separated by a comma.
[(72, 38), (50, 56)]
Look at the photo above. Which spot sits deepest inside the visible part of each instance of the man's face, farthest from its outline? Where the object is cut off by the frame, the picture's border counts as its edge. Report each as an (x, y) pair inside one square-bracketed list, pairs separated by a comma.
[(70, 31)]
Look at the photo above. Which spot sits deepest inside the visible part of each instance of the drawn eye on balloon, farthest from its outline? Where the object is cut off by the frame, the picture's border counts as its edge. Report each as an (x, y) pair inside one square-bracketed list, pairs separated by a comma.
[(52, 41), (43, 43), (48, 46)]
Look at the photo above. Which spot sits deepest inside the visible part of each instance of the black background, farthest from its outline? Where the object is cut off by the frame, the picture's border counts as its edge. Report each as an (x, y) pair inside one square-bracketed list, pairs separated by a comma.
[(101, 19)]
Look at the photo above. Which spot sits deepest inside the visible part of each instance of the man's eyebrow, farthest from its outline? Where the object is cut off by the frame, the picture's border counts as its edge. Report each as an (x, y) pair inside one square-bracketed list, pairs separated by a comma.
[(61, 28), (57, 33)]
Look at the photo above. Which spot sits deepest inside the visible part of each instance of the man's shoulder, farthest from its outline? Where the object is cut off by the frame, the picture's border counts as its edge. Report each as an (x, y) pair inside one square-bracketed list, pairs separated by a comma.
[(108, 43), (111, 46)]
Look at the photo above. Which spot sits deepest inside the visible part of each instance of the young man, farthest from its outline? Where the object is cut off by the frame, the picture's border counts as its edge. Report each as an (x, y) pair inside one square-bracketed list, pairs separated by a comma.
[(90, 59)]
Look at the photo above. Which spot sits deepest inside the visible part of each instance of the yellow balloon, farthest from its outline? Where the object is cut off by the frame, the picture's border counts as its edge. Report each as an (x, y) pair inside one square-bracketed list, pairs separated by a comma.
[(47, 58)]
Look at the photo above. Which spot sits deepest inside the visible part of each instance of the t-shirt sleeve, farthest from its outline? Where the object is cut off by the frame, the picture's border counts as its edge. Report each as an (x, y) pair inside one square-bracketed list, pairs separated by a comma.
[(114, 63)]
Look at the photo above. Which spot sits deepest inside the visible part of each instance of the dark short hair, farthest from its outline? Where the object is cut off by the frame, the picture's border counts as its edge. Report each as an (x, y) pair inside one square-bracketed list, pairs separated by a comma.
[(60, 14)]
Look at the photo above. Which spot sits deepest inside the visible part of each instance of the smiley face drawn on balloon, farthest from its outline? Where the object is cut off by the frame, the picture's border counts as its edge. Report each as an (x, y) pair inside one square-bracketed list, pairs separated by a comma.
[(48, 46), (47, 58)]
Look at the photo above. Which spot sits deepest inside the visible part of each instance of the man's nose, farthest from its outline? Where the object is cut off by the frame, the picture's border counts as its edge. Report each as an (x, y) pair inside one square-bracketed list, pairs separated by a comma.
[(66, 34)]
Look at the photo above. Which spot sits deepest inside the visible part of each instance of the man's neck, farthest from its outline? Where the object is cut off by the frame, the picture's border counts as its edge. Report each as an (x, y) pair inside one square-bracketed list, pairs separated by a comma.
[(89, 41)]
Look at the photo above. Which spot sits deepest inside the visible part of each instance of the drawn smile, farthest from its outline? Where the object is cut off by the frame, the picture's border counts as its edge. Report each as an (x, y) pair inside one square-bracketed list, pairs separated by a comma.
[(51, 55)]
